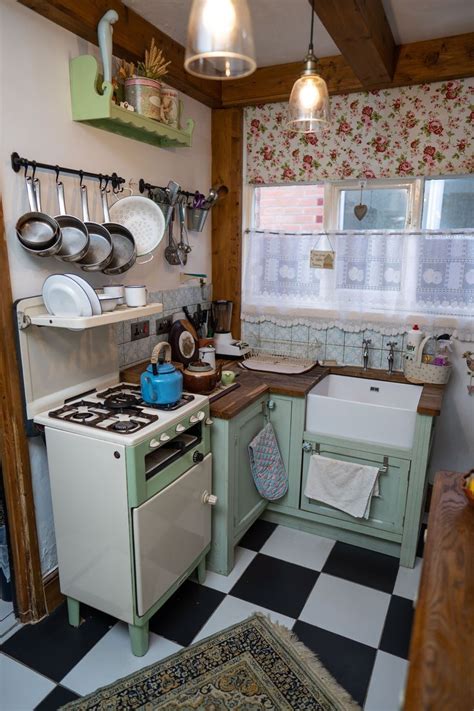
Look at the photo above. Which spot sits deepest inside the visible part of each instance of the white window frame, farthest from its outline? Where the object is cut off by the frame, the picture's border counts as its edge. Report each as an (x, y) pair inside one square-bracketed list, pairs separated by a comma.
[(332, 199)]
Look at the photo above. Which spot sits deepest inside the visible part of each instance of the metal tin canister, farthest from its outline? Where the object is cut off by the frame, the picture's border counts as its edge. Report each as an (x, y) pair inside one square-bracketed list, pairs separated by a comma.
[(169, 106), (145, 96)]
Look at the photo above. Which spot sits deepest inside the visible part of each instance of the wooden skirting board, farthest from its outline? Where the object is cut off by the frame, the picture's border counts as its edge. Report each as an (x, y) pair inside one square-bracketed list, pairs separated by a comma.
[(52, 594)]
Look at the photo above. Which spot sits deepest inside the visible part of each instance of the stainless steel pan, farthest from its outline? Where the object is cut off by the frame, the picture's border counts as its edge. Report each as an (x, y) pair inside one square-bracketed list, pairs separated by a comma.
[(100, 251), (75, 233), (37, 232), (125, 249)]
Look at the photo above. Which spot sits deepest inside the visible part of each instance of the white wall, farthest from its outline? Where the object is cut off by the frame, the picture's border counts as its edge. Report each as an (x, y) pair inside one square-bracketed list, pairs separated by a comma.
[(453, 447), (35, 121)]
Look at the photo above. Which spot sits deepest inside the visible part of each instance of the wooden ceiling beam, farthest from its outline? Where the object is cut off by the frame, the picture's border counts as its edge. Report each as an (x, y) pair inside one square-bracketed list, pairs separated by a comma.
[(417, 63), (132, 35), (361, 31)]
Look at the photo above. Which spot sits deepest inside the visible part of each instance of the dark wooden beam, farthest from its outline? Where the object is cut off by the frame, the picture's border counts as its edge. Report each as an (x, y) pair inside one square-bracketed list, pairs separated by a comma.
[(418, 63), (227, 169), (132, 35), (15, 459), (361, 31)]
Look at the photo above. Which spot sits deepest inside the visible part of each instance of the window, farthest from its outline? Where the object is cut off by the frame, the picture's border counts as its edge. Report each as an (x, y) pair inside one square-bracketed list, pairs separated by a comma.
[(387, 208), (448, 203), (387, 267), (291, 208)]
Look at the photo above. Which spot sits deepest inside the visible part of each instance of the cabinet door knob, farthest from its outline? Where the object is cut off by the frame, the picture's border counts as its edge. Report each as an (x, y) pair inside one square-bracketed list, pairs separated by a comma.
[(271, 404), (208, 498)]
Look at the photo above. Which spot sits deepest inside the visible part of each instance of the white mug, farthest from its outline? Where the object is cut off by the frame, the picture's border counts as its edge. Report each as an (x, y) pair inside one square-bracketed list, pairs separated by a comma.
[(135, 296), (208, 355)]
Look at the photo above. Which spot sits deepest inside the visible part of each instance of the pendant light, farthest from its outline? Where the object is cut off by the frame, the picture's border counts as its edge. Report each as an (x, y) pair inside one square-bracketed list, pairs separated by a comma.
[(308, 108), (220, 40)]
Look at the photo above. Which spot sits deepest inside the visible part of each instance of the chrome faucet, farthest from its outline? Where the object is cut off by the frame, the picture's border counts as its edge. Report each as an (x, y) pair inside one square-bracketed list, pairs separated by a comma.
[(390, 357), (365, 352)]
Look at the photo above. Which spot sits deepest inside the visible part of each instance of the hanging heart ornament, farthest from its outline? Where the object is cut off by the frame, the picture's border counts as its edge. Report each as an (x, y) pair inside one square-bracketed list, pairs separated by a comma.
[(360, 211)]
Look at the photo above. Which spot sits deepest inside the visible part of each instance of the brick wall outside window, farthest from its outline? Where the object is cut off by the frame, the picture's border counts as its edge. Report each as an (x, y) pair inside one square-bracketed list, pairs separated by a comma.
[(294, 208)]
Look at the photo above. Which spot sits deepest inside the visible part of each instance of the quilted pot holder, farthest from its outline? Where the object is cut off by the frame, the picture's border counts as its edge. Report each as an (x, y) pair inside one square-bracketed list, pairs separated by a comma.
[(266, 464)]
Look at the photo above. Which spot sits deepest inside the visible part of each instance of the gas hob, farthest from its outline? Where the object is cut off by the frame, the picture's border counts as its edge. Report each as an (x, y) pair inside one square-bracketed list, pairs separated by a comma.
[(119, 414)]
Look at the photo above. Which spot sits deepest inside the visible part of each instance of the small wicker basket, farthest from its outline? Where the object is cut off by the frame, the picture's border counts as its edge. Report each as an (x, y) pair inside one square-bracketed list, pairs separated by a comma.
[(426, 373)]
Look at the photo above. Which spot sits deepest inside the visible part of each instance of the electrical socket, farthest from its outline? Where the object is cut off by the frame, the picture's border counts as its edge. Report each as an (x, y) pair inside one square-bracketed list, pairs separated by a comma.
[(163, 325), (138, 330)]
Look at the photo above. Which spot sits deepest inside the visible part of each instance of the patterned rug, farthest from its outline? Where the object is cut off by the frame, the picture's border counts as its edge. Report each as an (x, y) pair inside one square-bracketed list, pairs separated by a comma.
[(254, 665)]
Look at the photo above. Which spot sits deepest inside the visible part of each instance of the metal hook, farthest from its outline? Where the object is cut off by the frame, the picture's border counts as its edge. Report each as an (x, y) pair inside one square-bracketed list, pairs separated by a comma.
[(81, 176), (34, 170), (57, 170)]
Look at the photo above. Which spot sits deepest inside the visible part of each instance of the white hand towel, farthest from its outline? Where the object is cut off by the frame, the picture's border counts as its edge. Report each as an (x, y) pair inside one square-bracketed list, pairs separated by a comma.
[(343, 485)]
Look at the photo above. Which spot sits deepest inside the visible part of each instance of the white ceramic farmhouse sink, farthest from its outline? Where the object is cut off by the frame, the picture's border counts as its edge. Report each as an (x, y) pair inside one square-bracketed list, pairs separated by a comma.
[(365, 410)]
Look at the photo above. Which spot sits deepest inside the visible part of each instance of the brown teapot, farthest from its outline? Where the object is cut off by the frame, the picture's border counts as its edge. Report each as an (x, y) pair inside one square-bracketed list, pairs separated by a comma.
[(200, 377)]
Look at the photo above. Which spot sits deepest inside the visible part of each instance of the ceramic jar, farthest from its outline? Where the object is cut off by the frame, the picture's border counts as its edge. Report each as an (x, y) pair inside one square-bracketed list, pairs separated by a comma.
[(145, 96)]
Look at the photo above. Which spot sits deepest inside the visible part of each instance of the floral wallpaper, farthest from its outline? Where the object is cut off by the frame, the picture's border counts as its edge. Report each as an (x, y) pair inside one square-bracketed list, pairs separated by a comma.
[(415, 130)]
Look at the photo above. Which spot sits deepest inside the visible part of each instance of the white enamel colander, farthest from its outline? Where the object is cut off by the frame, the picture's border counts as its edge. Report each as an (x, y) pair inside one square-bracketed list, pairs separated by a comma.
[(143, 218)]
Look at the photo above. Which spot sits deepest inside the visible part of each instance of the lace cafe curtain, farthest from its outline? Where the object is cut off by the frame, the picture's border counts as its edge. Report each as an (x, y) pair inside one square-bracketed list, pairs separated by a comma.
[(381, 276)]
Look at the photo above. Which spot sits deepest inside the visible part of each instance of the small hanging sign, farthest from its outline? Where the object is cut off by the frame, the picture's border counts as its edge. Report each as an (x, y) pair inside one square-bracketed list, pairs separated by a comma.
[(322, 259)]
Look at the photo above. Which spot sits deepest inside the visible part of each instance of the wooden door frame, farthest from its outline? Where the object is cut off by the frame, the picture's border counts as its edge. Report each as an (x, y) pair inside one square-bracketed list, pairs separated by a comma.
[(26, 564)]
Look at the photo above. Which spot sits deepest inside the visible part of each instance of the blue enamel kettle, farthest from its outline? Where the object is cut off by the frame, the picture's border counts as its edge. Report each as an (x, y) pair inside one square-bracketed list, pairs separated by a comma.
[(161, 383)]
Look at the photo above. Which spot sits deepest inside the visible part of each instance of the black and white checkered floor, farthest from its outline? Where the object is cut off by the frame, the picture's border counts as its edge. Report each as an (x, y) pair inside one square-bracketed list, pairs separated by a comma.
[(352, 607)]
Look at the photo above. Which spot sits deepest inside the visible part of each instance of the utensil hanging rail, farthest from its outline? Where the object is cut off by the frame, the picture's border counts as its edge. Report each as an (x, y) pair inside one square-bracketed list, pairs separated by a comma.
[(144, 186), (18, 162)]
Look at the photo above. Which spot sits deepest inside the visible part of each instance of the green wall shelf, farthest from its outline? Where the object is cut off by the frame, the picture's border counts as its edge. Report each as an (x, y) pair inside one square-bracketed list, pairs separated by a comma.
[(94, 109)]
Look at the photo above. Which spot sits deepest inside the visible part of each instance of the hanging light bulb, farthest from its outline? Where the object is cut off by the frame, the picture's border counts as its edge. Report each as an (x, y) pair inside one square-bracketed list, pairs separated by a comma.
[(308, 109), (220, 40)]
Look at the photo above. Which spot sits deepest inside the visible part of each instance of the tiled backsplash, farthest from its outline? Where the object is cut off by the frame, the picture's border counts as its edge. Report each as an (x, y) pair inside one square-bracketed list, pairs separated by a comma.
[(135, 351), (323, 343)]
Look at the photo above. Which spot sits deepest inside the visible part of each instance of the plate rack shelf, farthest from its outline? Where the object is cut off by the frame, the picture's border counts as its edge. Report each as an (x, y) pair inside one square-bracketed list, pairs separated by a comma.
[(94, 109), (36, 315)]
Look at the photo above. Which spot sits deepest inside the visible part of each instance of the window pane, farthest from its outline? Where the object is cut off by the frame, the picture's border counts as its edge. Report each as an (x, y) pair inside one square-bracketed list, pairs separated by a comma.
[(448, 203), (295, 208), (387, 209)]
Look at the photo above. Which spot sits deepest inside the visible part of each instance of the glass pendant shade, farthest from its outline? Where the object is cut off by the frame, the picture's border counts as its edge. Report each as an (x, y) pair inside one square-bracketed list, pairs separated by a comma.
[(220, 40), (308, 109)]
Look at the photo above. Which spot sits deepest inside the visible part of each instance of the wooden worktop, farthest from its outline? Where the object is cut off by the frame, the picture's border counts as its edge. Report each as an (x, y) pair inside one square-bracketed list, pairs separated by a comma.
[(440, 674), (254, 384)]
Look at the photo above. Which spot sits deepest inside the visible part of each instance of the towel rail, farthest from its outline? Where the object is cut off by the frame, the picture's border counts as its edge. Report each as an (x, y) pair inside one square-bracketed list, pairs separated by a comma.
[(315, 448)]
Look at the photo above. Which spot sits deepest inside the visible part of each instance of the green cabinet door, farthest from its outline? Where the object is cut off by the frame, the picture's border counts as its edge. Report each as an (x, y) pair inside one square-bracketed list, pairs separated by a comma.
[(287, 417), (248, 504), (387, 510)]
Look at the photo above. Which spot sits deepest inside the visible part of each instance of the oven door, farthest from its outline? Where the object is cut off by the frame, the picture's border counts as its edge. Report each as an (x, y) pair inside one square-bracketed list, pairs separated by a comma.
[(170, 530)]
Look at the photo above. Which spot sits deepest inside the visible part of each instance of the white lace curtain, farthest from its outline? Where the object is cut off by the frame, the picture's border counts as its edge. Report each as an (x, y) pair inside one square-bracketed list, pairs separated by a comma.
[(385, 277)]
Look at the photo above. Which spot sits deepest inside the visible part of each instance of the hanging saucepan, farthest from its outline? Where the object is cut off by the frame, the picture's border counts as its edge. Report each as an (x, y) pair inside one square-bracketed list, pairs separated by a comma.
[(37, 232), (100, 251), (75, 242), (125, 250), (144, 220)]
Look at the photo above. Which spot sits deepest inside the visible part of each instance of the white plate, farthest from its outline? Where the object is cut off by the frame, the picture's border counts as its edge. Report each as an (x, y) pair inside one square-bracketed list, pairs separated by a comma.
[(93, 298), (64, 297), (143, 218)]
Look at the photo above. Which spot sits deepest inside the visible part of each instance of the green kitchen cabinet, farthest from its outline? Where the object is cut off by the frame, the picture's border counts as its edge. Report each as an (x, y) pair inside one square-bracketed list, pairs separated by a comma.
[(395, 516), (238, 502)]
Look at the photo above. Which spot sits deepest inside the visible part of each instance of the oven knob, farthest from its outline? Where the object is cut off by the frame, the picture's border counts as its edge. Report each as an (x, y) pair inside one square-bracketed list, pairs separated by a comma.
[(208, 498), (154, 443), (164, 437), (209, 422), (201, 415), (198, 457), (193, 419), (180, 428)]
